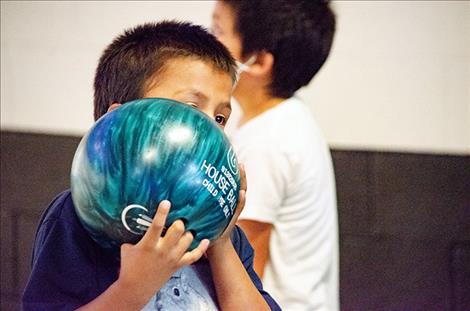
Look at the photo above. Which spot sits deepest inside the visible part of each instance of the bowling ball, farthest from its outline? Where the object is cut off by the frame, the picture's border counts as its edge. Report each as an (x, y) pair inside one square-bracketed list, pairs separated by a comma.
[(150, 150)]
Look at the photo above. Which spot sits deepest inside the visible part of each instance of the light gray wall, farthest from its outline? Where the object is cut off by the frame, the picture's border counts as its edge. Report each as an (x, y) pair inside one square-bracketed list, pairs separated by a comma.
[(398, 77)]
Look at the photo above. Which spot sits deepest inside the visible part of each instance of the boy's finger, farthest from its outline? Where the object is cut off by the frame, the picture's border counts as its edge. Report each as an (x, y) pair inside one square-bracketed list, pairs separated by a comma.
[(184, 243), (195, 254), (173, 234), (243, 183), (241, 204), (154, 232)]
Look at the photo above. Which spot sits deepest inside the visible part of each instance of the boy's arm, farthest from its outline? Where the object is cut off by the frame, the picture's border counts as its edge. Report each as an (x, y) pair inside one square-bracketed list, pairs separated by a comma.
[(259, 234), (270, 170), (235, 289), (147, 265)]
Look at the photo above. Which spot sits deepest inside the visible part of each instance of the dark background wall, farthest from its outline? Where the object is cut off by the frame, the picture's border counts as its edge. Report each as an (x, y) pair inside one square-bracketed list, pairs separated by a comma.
[(404, 222)]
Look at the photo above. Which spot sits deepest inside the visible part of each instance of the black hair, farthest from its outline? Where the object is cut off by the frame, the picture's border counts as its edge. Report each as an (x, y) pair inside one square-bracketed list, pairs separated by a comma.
[(140, 53), (299, 34)]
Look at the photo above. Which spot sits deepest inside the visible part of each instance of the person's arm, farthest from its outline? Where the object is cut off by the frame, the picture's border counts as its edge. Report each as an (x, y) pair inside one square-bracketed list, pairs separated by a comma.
[(269, 173), (259, 234), (234, 287), (147, 265)]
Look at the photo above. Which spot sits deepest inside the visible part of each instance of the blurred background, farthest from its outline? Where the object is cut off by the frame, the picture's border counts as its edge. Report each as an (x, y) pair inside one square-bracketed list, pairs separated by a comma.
[(393, 101)]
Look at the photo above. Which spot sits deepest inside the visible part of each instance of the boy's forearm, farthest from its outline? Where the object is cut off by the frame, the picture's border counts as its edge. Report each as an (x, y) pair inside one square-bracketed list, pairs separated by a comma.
[(234, 287)]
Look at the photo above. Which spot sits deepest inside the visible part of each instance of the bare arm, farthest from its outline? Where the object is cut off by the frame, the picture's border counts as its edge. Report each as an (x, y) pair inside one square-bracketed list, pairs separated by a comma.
[(258, 233), (234, 287)]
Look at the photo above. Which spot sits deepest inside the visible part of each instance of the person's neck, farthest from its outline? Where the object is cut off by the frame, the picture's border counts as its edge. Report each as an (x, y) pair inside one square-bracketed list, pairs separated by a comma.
[(256, 103)]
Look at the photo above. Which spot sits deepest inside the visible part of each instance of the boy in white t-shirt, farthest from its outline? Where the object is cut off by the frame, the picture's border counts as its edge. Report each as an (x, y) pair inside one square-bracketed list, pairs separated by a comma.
[(290, 215)]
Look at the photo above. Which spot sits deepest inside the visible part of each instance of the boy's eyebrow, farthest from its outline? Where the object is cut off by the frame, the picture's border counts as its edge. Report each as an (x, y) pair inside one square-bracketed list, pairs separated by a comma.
[(226, 104), (196, 93), (203, 98)]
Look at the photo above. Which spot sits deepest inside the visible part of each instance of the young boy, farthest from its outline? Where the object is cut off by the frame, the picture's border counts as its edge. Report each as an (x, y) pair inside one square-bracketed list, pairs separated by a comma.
[(69, 270), (290, 216)]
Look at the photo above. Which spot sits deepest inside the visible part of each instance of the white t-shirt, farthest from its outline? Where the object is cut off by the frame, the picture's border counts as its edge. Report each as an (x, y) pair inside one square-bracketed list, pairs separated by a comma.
[(291, 186)]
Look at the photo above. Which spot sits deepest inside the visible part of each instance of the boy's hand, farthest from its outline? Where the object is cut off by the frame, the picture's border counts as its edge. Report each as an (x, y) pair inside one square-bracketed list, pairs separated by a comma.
[(148, 265), (225, 237)]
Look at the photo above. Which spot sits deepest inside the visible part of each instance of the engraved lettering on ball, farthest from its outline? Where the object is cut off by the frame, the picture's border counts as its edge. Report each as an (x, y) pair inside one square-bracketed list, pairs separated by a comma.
[(232, 161)]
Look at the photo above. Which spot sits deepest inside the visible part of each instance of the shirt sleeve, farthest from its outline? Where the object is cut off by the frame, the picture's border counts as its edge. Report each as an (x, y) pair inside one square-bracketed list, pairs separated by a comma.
[(63, 271), (267, 172), (246, 254)]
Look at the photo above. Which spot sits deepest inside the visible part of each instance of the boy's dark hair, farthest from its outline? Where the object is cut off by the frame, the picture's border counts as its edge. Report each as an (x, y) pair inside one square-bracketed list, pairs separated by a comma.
[(299, 33), (140, 53)]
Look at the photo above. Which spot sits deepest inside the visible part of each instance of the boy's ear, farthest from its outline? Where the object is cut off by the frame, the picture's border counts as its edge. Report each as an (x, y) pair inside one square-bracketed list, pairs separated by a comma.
[(113, 106), (263, 65)]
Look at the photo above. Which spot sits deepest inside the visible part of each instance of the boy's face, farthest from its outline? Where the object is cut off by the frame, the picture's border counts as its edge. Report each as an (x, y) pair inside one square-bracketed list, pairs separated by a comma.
[(196, 83), (223, 27)]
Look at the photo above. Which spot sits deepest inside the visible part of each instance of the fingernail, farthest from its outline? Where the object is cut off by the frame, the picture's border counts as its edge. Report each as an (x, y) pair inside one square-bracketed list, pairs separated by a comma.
[(165, 204)]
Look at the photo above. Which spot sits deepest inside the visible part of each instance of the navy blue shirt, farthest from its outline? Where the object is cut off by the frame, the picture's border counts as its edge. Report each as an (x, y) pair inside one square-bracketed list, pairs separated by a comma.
[(69, 269)]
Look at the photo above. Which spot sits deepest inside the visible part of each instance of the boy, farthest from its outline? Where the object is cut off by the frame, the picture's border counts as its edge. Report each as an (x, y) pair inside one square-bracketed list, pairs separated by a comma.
[(69, 270), (290, 216)]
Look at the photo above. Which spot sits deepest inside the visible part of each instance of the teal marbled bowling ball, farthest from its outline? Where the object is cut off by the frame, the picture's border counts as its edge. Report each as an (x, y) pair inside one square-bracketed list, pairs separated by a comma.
[(150, 150)]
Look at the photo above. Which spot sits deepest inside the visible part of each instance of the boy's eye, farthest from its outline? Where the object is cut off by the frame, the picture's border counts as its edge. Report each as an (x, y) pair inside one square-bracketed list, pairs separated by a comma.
[(192, 104), (221, 119)]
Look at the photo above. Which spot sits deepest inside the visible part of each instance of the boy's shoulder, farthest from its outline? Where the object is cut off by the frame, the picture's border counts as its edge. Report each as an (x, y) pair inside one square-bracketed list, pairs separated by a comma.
[(58, 221), (240, 242), (64, 255), (61, 207)]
